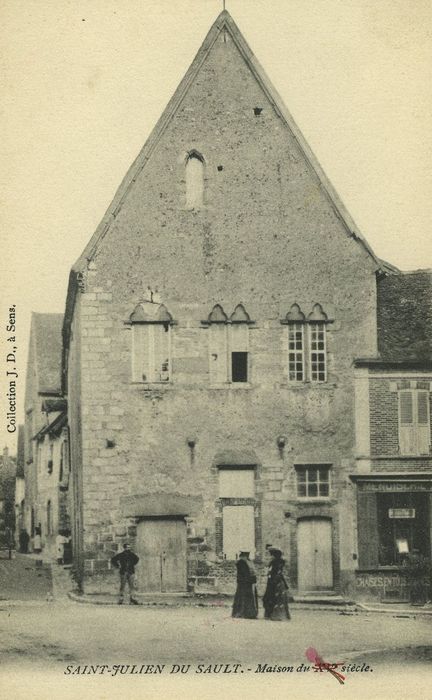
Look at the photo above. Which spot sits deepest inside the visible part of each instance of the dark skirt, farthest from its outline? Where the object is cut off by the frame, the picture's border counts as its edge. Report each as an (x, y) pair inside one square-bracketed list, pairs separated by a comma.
[(276, 599), (245, 601)]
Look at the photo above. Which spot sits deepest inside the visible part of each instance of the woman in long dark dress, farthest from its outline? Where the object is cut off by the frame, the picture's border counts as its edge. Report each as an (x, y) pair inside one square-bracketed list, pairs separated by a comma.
[(245, 599), (275, 598)]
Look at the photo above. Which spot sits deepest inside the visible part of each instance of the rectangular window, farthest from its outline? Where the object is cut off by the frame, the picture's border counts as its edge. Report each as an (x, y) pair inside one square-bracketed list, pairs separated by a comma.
[(313, 481), (151, 352), (228, 353), (414, 422), (239, 346), (317, 340), (238, 531), (239, 366), (296, 352)]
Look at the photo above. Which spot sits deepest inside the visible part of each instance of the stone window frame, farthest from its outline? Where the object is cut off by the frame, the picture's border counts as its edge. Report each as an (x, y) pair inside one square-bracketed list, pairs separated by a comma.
[(299, 467), (159, 316), (218, 319), (300, 359)]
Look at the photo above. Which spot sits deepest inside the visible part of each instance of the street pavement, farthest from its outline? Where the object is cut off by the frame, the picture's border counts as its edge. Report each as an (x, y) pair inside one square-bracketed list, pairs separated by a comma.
[(55, 642)]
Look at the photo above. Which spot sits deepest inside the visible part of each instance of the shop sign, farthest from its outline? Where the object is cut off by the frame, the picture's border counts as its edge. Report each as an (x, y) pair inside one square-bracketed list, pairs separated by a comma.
[(394, 486), (401, 513)]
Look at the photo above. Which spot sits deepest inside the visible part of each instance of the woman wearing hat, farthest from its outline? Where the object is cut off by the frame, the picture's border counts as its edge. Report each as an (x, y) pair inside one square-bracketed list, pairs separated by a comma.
[(246, 598), (275, 598)]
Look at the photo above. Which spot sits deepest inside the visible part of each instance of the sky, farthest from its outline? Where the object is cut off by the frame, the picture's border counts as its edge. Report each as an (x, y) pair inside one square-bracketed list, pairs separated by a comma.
[(84, 82)]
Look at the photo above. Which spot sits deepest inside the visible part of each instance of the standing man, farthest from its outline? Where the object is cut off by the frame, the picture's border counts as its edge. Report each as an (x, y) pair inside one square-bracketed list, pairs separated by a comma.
[(246, 598), (126, 561)]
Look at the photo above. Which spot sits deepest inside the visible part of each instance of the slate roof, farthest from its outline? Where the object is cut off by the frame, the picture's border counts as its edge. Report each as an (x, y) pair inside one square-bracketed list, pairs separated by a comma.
[(47, 329), (405, 317)]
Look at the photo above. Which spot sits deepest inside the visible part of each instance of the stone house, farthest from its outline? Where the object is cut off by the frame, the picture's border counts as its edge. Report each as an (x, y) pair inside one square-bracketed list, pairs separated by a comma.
[(393, 475), (46, 434), (210, 331)]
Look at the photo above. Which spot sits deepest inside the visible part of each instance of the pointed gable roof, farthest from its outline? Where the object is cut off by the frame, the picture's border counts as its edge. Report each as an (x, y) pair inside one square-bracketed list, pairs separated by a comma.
[(224, 22)]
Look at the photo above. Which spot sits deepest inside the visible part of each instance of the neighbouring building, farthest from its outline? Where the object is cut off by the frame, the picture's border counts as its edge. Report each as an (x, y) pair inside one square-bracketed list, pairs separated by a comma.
[(393, 475), (7, 498), (46, 453), (211, 330), (20, 523)]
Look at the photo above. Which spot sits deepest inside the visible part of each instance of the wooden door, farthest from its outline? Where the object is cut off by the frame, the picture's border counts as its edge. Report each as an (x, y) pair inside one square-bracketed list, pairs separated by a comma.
[(161, 547), (314, 545)]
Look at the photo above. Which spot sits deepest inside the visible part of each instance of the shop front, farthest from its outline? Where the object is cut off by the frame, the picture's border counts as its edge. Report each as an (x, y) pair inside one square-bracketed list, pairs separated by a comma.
[(393, 531)]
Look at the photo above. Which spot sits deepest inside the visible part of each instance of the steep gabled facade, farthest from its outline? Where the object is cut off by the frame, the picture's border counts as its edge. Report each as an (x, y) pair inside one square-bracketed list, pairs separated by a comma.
[(210, 330)]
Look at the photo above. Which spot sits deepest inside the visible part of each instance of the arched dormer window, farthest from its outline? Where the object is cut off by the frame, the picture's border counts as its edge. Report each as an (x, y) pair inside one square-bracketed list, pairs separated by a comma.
[(194, 180), (151, 334)]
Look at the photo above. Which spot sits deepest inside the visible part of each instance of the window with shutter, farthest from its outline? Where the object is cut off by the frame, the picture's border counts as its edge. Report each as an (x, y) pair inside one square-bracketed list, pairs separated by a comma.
[(238, 518), (228, 346), (423, 423), (218, 354), (238, 531), (406, 423), (151, 352), (239, 352), (414, 423)]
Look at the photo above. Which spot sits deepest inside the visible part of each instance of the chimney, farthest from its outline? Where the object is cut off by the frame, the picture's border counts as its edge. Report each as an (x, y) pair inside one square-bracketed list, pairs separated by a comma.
[(5, 452)]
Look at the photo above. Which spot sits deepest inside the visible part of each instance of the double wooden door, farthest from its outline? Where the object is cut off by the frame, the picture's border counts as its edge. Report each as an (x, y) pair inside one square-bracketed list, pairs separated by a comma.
[(161, 547), (314, 546)]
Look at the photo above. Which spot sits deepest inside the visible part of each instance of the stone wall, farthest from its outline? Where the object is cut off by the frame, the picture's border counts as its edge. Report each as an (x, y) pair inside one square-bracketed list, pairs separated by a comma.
[(267, 236)]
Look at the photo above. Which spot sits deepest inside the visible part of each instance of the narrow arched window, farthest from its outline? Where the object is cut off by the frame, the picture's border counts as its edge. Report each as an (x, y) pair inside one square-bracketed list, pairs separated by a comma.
[(194, 181)]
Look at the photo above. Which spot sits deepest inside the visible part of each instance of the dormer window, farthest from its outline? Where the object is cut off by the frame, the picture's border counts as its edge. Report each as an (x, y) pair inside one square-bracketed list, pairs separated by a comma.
[(194, 180), (151, 355)]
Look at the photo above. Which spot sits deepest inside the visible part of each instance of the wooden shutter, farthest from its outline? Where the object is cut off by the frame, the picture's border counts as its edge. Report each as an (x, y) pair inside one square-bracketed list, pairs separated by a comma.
[(141, 370), (407, 433), (423, 423), (218, 353), (239, 337), (238, 530), (161, 334), (236, 483), (367, 529)]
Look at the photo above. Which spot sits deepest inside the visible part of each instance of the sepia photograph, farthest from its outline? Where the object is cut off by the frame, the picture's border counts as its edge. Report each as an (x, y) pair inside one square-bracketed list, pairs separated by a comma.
[(216, 349)]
